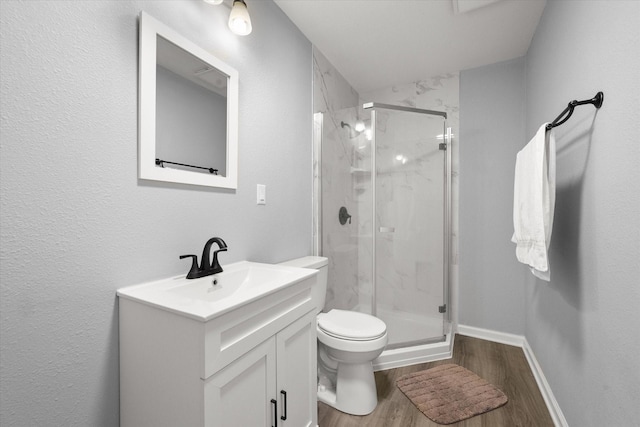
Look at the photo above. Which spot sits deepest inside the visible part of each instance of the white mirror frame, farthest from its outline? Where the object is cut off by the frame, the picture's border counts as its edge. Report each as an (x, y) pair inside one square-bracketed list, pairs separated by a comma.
[(150, 28)]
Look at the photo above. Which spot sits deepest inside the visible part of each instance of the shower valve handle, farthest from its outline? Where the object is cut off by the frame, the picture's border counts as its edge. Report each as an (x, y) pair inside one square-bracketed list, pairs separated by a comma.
[(343, 216)]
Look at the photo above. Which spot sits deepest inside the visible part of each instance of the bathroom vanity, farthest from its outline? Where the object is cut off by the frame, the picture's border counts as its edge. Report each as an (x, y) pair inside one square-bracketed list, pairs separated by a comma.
[(233, 349)]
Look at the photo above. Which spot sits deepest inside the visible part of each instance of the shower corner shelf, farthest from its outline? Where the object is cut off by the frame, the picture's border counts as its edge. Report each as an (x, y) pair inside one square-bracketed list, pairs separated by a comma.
[(360, 171)]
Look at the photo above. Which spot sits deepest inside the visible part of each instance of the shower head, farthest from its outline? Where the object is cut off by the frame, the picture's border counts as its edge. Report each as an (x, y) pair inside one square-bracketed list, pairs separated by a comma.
[(352, 132)]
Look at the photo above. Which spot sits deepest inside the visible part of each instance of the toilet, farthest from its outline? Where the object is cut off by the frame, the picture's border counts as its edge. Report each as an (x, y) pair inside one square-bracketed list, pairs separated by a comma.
[(348, 342)]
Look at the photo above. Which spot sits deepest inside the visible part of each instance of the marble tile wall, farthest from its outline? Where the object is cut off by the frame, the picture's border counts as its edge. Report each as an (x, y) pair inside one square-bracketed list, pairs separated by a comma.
[(338, 101), (346, 181)]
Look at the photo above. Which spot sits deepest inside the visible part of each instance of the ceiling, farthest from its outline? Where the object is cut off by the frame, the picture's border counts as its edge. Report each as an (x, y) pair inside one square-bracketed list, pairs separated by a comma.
[(379, 43)]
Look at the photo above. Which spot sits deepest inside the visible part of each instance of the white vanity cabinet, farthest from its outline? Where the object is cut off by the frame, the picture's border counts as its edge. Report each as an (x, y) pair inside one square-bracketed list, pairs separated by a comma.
[(241, 368), (273, 384)]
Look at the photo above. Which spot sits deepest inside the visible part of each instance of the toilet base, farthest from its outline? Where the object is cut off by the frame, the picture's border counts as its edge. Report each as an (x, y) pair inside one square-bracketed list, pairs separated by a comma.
[(355, 391)]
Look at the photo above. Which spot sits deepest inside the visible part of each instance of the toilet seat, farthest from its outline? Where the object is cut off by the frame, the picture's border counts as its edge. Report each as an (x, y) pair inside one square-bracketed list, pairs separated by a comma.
[(351, 325)]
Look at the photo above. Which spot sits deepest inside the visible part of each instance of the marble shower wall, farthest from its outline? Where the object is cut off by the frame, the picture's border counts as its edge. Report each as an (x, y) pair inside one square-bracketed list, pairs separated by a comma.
[(338, 101)]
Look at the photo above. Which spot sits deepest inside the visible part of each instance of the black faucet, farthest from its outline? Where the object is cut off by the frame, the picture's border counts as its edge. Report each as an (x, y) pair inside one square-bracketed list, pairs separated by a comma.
[(205, 268)]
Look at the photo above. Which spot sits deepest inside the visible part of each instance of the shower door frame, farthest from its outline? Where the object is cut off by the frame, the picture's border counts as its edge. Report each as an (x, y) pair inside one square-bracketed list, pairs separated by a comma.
[(316, 166), (446, 145)]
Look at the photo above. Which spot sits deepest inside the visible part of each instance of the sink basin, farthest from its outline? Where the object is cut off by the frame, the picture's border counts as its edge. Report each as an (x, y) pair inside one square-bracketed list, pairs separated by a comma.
[(211, 296), (243, 278)]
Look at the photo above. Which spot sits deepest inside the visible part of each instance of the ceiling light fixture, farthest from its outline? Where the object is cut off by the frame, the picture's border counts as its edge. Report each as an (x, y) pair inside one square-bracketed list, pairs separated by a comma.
[(215, 2), (239, 20)]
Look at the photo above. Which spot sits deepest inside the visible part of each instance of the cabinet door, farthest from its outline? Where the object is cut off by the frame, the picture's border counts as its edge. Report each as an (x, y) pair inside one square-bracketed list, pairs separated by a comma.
[(241, 393), (297, 373)]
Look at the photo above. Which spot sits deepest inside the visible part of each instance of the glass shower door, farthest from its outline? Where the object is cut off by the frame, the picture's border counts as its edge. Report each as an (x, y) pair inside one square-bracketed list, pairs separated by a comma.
[(409, 226)]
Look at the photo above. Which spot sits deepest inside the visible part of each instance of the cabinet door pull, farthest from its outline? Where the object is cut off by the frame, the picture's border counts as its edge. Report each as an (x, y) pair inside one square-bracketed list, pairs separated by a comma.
[(275, 413), (284, 400)]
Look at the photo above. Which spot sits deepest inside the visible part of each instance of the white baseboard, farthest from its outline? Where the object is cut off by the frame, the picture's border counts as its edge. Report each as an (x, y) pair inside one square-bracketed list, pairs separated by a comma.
[(520, 341), (545, 389), (489, 335)]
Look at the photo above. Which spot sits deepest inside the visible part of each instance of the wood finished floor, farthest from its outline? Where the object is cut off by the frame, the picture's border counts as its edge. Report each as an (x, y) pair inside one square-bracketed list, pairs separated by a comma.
[(502, 365)]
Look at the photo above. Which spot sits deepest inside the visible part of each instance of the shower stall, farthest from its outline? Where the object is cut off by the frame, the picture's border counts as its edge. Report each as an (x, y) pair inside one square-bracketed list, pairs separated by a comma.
[(382, 208)]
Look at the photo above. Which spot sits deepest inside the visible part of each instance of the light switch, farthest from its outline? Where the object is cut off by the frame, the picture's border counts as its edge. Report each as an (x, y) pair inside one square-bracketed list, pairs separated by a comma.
[(262, 194)]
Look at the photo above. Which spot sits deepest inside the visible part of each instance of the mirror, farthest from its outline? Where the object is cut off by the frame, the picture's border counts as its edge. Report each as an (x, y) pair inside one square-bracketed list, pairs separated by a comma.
[(188, 111)]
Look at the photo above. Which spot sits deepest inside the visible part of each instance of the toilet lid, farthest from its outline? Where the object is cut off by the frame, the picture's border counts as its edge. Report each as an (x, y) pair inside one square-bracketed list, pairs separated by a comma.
[(351, 325)]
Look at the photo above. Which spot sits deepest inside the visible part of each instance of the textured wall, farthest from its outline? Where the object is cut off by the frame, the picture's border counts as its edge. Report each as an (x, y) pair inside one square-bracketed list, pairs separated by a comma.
[(76, 222), (492, 117), (584, 325)]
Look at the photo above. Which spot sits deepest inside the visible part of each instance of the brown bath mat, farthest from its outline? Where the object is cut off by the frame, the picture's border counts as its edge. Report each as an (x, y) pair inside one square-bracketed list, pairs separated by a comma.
[(450, 393)]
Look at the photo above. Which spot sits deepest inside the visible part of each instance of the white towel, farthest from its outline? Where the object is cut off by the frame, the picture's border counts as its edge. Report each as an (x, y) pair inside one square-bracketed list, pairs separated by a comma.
[(534, 198)]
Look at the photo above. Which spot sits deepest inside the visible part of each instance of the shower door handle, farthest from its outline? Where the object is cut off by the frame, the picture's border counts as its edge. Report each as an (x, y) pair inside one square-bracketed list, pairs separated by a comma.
[(387, 229)]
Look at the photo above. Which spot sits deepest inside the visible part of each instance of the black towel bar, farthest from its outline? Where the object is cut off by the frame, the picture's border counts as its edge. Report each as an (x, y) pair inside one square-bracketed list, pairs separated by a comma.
[(596, 101)]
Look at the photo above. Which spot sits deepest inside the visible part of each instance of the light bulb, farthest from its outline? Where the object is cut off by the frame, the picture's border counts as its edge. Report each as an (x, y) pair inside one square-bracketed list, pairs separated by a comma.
[(239, 26), (214, 2), (359, 126), (239, 20)]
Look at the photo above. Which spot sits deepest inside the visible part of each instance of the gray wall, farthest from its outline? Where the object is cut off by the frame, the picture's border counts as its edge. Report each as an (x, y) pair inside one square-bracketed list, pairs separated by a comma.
[(76, 222), (584, 326), (492, 118)]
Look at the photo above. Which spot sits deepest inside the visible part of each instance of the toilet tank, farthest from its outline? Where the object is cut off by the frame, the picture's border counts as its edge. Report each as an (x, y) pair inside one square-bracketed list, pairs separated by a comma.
[(319, 291)]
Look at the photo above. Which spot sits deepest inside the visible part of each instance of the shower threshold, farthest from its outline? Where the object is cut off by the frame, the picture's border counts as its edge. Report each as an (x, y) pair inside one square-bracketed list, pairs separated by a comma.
[(406, 354), (434, 340)]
